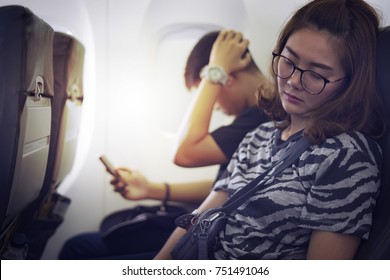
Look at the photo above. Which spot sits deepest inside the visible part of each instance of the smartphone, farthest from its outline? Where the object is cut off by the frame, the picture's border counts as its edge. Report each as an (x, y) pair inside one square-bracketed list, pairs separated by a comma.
[(109, 166)]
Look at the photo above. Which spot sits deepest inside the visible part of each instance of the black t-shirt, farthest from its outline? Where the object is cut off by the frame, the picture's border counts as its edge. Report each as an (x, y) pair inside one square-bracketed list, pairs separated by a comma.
[(230, 136)]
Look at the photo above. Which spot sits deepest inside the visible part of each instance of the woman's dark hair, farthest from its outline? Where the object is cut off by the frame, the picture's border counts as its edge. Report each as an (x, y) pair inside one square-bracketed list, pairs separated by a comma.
[(354, 25)]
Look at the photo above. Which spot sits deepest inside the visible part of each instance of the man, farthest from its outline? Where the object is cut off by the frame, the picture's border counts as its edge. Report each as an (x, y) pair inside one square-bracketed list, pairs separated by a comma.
[(225, 76)]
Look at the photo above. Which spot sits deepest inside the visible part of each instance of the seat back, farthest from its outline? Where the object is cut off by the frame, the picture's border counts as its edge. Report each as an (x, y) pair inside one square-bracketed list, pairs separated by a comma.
[(378, 245), (42, 218), (69, 56), (68, 63), (26, 89)]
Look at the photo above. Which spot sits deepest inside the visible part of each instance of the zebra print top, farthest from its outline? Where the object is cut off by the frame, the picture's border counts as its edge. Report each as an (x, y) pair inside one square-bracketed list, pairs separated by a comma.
[(332, 187)]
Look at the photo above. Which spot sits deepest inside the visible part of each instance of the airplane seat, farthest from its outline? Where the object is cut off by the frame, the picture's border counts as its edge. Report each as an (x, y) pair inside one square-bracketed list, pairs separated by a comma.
[(48, 213), (378, 244), (68, 83), (26, 90), (68, 63)]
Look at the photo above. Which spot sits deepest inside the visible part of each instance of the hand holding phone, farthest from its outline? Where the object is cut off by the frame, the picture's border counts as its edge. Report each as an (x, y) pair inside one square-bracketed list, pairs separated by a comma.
[(109, 166)]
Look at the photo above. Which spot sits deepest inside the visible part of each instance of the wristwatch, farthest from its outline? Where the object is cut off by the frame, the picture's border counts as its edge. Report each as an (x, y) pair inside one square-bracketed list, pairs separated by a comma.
[(215, 74)]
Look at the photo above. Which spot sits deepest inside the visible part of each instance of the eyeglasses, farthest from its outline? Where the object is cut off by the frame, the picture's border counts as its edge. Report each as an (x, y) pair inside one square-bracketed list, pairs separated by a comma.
[(311, 81)]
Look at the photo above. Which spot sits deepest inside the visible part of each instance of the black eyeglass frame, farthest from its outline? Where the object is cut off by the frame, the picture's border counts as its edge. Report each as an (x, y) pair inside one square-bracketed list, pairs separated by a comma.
[(295, 67)]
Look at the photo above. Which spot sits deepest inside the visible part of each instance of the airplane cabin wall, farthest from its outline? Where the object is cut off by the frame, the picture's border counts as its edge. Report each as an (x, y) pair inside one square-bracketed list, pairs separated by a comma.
[(135, 97)]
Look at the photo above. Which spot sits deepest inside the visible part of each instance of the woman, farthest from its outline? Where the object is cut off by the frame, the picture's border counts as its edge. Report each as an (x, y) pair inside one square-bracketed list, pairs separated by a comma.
[(321, 206)]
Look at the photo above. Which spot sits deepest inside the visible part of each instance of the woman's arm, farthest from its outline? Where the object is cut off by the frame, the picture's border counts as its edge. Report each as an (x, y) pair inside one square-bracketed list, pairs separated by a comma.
[(215, 199), (193, 192), (165, 252), (325, 245), (133, 185)]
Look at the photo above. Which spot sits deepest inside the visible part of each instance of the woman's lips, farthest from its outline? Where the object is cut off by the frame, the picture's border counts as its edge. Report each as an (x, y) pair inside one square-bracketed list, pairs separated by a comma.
[(292, 98)]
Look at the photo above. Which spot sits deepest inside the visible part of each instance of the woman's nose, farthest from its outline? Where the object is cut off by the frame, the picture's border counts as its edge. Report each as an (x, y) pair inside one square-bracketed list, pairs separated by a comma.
[(295, 80)]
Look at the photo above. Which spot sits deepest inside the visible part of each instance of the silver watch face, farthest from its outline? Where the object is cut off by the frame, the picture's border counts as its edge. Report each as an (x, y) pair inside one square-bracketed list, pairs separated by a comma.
[(215, 74)]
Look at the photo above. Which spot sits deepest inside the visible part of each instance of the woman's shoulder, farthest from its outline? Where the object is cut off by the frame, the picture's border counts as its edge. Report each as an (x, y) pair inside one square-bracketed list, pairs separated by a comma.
[(350, 143), (352, 140)]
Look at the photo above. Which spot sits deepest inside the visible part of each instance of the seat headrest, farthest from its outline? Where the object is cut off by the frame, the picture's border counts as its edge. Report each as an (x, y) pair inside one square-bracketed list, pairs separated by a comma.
[(383, 66), (26, 42), (69, 57)]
